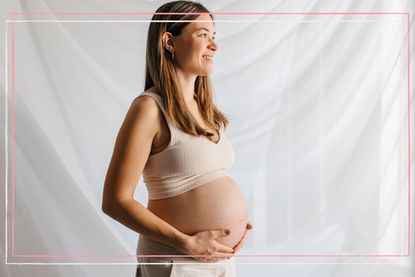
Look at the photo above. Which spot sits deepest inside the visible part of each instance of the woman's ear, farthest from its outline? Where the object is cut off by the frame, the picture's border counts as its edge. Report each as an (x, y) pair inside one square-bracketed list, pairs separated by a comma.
[(168, 43)]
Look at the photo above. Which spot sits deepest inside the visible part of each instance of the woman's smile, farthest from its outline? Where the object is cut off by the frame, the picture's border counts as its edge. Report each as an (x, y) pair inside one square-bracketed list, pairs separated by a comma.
[(208, 58)]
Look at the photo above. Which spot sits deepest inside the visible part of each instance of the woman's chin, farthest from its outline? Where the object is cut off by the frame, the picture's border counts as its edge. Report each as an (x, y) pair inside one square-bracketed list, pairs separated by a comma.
[(206, 73)]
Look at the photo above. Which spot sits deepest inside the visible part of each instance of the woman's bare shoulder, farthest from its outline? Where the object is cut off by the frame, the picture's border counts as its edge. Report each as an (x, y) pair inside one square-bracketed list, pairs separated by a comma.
[(143, 115), (147, 101), (144, 106)]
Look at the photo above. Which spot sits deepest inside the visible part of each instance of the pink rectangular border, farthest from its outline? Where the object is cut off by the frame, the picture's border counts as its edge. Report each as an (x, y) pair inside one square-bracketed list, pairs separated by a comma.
[(246, 255)]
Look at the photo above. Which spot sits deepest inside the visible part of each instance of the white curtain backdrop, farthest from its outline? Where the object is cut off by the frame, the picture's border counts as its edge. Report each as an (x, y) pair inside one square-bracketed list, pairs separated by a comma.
[(318, 107)]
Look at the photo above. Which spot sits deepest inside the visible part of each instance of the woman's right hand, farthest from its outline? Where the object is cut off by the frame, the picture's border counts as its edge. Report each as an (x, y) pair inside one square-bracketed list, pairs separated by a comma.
[(204, 247)]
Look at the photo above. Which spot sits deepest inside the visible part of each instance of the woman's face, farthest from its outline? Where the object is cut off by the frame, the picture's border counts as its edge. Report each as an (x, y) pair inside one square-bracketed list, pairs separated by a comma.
[(195, 47)]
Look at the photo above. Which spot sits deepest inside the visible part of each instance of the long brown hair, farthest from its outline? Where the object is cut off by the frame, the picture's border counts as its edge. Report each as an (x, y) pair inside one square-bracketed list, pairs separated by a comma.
[(161, 74)]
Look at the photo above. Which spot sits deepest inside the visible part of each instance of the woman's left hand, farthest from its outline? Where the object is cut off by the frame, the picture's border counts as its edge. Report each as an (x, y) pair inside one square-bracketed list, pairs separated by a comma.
[(242, 241)]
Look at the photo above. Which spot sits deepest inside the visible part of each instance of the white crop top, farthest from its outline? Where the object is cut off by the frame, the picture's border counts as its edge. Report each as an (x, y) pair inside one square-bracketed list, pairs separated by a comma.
[(187, 162)]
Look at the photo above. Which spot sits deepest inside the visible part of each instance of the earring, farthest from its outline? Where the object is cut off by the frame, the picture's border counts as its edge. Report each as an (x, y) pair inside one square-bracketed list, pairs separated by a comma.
[(172, 56)]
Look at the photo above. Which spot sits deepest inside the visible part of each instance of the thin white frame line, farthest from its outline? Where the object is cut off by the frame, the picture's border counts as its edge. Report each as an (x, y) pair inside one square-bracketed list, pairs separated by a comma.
[(6, 154), (401, 136), (291, 263), (146, 20), (6, 89)]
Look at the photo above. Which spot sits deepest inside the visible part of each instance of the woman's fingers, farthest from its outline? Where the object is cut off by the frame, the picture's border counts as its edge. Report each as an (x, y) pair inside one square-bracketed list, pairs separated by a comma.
[(218, 246), (220, 233), (242, 241), (217, 250), (222, 248), (221, 256)]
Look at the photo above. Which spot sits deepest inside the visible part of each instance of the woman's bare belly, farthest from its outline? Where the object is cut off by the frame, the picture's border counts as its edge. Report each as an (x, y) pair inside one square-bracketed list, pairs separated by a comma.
[(214, 205)]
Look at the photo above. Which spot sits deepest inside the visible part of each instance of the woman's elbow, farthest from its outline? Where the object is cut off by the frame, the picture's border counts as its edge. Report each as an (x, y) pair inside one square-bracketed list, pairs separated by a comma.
[(106, 207), (109, 205), (108, 199), (112, 206)]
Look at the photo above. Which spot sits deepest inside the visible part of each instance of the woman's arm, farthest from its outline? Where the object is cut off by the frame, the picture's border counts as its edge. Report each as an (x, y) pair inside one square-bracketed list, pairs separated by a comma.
[(131, 151), (138, 218)]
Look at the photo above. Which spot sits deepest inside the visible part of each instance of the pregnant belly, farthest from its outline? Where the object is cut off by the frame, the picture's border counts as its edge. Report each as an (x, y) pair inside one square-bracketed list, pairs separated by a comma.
[(214, 205)]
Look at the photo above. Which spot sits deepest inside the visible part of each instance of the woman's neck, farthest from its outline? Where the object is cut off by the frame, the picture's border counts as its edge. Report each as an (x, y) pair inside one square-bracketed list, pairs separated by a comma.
[(187, 85)]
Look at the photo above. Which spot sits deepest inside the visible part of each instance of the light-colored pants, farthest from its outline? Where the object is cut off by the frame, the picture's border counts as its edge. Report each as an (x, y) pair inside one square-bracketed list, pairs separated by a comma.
[(177, 266)]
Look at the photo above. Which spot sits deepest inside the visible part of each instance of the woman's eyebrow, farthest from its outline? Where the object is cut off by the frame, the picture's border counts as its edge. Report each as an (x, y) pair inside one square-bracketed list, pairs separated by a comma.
[(204, 29)]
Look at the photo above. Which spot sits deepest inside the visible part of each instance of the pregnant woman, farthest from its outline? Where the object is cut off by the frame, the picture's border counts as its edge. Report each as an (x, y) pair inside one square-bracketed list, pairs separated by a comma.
[(196, 217)]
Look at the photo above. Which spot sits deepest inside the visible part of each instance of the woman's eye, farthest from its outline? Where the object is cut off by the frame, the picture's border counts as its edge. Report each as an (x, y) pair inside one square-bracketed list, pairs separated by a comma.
[(203, 35)]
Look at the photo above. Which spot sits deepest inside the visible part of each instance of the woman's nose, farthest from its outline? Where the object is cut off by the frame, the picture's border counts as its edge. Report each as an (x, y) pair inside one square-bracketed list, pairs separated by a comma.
[(213, 45)]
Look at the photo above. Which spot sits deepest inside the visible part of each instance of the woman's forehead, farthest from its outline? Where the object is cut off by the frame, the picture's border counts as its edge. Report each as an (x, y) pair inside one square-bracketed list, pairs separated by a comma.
[(199, 23)]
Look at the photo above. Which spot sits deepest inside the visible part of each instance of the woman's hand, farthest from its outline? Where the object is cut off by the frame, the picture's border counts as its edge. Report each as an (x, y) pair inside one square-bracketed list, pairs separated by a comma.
[(242, 241), (204, 247)]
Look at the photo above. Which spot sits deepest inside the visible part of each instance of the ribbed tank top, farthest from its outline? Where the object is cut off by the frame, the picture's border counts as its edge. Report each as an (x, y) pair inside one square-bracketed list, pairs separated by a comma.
[(187, 162)]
